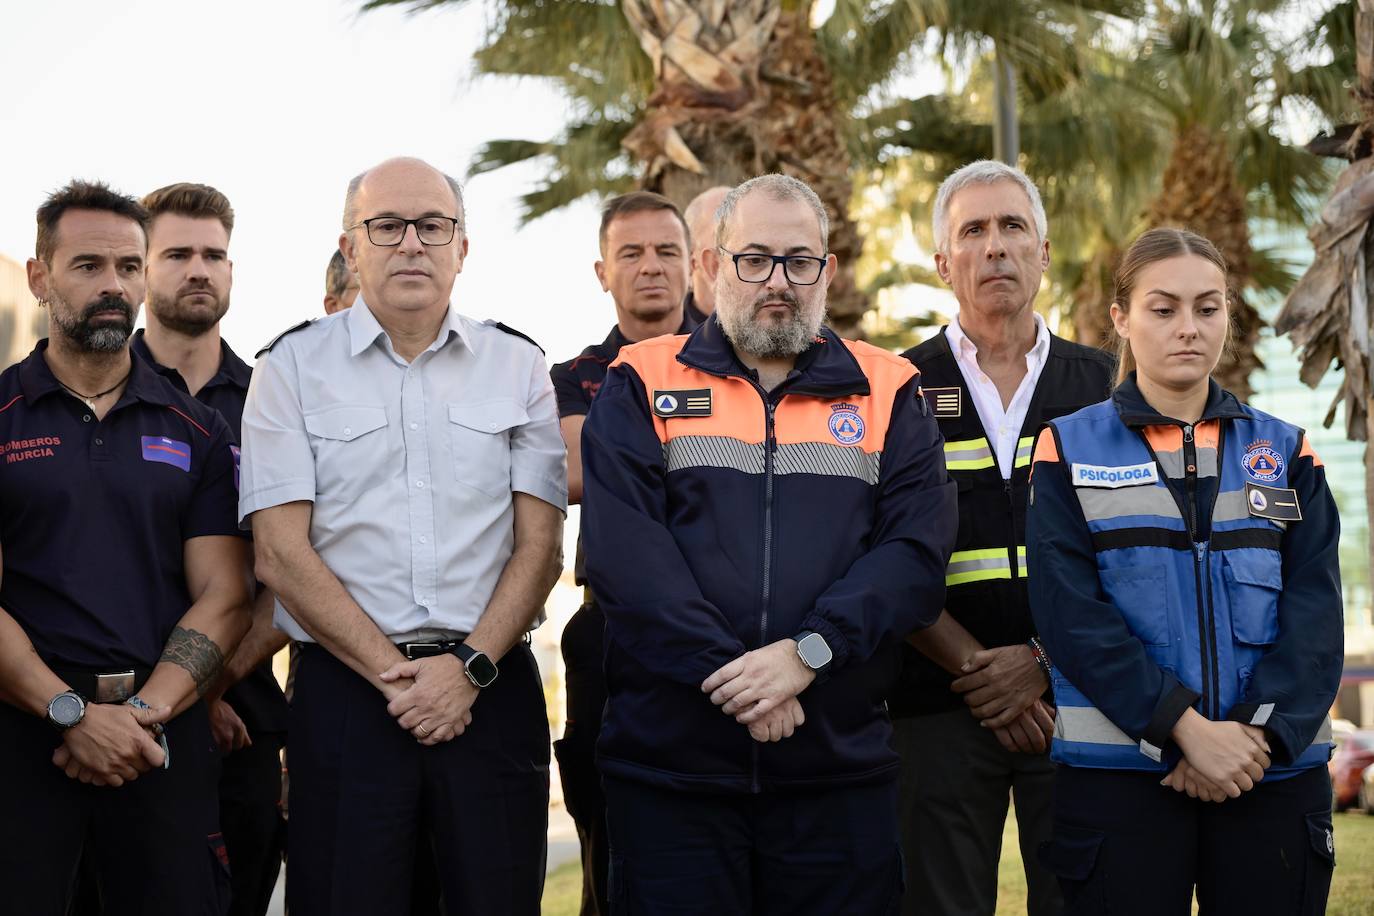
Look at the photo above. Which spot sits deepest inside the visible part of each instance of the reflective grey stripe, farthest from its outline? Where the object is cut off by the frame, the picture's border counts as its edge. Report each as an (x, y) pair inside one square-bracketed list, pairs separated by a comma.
[(1087, 723), (1262, 714), (827, 460), (1171, 463), (712, 452), (1230, 506), (1149, 750), (1099, 504), (1324, 732), (963, 566)]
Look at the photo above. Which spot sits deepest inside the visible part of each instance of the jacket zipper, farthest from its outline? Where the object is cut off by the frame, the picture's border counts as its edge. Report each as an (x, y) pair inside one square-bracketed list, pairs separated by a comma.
[(770, 446), (1013, 555), (1206, 623)]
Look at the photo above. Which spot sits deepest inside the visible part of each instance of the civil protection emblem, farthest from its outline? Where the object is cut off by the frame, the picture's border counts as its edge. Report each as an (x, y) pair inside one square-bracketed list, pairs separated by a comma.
[(1261, 462), (845, 424)]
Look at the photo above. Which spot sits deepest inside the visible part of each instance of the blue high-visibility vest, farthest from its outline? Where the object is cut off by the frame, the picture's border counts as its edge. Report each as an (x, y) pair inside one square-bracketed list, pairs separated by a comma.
[(1176, 591)]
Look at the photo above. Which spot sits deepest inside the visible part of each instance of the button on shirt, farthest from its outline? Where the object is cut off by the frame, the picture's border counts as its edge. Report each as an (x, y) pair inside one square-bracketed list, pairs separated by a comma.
[(411, 467), (95, 514), (1002, 425)]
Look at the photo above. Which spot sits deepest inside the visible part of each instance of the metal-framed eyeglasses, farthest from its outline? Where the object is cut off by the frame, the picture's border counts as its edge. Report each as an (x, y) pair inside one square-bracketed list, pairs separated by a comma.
[(757, 267), (387, 231)]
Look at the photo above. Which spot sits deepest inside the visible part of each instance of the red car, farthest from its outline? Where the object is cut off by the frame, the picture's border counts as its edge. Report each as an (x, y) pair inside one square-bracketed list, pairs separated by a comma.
[(1347, 767)]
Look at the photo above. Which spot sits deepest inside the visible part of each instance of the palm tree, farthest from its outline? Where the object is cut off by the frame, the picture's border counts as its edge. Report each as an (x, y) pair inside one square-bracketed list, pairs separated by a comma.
[(676, 96)]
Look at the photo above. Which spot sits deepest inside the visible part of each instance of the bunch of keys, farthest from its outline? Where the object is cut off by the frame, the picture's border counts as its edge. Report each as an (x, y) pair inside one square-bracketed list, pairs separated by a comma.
[(137, 702)]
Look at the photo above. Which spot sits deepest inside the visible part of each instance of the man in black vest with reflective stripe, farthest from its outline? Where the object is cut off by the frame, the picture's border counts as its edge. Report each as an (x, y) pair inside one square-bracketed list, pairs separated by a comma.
[(972, 713)]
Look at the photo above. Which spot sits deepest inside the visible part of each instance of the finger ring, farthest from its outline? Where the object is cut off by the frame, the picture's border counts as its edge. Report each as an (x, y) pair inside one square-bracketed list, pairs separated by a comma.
[(424, 732)]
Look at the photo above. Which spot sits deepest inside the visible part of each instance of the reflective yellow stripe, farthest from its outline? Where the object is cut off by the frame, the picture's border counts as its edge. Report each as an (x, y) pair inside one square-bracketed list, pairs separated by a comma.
[(1023, 451), (1021, 561), (968, 455), (983, 565)]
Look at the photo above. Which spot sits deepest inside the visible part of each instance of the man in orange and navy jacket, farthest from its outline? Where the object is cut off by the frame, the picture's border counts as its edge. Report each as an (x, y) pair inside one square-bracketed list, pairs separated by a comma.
[(766, 514)]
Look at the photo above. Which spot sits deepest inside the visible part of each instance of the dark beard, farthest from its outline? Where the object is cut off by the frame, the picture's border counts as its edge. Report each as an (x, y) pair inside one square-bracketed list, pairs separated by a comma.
[(174, 319), (108, 337)]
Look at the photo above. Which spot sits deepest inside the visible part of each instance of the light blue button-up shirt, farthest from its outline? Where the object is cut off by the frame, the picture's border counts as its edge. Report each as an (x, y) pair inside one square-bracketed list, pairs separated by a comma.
[(411, 467)]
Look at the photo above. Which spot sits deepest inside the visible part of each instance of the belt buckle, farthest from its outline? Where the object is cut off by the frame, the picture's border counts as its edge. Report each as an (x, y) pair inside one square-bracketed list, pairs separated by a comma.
[(115, 687), (411, 647)]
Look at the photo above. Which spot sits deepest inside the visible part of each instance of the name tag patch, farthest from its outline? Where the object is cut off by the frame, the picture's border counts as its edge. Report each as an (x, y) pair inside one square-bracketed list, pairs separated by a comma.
[(1276, 503), (167, 451), (683, 402), (1131, 475)]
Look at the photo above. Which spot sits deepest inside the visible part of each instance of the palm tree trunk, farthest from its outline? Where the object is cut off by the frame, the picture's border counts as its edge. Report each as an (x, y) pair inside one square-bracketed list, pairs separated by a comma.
[(743, 90), (1200, 192)]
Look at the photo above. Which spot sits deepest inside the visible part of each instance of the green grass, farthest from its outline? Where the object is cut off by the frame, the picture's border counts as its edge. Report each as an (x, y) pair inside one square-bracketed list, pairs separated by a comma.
[(1352, 888)]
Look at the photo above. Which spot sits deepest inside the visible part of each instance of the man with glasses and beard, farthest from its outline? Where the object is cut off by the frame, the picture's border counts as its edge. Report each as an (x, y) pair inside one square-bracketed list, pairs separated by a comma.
[(189, 280), (122, 590), (766, 513)]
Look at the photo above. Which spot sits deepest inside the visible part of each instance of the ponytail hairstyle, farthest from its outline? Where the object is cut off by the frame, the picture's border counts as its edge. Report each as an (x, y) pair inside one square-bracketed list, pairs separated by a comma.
[(1160, 245)]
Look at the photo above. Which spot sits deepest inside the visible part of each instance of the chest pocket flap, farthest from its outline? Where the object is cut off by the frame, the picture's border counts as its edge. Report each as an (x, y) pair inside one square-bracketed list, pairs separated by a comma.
[(489, 417), (345, 423)]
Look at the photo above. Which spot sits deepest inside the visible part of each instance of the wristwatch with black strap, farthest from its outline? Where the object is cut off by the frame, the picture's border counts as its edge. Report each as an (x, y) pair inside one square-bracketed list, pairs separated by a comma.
[(66, 710), (814, 652), (480, 669)]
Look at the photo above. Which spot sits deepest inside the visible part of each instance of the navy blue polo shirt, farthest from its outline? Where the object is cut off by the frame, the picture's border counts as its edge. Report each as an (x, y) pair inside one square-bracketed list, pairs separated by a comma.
[(94, 514), (258, 698)]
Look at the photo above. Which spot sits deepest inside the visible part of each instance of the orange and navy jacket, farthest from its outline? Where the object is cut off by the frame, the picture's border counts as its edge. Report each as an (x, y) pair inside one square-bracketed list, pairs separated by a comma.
[(1177, 565), (719, 517)]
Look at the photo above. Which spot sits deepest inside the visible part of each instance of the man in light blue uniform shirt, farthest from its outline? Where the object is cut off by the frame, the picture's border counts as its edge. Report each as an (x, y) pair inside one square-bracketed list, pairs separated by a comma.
[(406, 482)]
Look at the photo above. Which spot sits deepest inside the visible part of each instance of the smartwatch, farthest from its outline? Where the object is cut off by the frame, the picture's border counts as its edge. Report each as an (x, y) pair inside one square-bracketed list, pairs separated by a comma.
[(66, 710), (814, 651), (479, 669)]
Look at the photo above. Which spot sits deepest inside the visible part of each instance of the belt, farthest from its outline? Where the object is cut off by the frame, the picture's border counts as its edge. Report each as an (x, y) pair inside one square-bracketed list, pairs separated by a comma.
[(105, 686), (431, 648)]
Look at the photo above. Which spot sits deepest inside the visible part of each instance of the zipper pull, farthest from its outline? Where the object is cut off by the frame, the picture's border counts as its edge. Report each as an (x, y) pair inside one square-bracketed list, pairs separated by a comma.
[(1199, 550), (1187, 434)]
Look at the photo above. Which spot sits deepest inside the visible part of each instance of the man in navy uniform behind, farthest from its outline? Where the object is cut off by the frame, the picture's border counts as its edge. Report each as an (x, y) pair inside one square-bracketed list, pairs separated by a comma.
[(123, 590)]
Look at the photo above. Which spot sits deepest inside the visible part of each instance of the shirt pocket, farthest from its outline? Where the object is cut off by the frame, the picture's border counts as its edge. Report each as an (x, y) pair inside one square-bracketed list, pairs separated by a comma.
[(350, 446), (1141, 593), (479, 436), (1253, 581)]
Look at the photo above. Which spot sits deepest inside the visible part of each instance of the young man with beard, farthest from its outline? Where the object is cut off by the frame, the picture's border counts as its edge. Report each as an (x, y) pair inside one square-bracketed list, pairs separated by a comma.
[(766, 513), (189, 280), (643, 266), (123, 590)]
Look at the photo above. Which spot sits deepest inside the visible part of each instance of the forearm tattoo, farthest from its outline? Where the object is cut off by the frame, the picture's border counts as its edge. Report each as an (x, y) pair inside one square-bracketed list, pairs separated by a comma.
[(197, 654)]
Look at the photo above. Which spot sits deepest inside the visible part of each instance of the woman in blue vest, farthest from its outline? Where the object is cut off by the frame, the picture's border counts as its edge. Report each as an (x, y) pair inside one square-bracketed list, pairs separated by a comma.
[(1184, 583)]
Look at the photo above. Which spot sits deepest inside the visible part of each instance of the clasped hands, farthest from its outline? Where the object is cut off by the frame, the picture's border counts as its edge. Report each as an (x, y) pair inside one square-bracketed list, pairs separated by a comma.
[(1002, 688), (1220, 759), (112, 744), (430, 697), (759, 689)]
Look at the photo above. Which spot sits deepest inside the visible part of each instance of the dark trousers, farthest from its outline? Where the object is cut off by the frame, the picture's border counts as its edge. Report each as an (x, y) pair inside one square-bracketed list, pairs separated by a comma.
[(1124, 844), (818, 851), (583, 649), (364, 793), (153, 845), (955, 785), (250, 816)]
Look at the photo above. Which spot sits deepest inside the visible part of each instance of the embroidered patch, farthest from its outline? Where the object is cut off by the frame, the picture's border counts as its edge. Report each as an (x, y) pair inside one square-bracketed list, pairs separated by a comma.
[(1276, 503), (948, 402), (1261, 462), (845, 424), (167, 451), (1131, 475), (685, 402)]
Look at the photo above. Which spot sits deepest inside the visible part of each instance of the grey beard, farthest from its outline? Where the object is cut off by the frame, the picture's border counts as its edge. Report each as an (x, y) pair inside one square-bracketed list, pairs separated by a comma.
[(104, 339), (771, 340)]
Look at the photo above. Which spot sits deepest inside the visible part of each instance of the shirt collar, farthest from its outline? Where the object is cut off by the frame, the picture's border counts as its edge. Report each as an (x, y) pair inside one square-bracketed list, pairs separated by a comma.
[(1135, 411), (962, 346), (364, 329), (36, 379), (231, 371)]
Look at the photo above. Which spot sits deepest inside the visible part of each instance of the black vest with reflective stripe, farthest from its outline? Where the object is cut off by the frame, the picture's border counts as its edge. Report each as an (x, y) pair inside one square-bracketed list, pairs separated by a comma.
[(985, 581)]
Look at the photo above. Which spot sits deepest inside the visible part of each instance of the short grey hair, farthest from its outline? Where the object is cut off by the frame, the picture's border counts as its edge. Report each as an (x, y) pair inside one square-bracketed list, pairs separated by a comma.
[(984, 171), (350, 212), (336, 274), (779, 187)]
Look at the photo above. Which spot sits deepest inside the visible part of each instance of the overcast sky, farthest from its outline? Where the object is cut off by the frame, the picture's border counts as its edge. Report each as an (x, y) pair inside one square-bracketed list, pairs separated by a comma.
[(278, 104)]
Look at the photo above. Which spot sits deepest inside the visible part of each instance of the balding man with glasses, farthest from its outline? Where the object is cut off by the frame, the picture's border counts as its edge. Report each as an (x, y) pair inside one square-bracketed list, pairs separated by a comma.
[(405, 481)]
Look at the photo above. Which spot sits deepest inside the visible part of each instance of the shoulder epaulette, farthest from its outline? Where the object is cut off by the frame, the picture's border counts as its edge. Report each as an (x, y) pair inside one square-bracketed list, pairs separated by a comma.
[(291, 330), (511, 331)]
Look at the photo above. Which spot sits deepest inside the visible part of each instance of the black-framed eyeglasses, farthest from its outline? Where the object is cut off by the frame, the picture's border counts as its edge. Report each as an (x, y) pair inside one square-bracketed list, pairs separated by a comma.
[(387, 231), (757, 267)]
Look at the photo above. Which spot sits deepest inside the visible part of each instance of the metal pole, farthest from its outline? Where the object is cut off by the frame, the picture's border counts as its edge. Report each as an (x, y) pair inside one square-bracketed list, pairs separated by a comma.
[(1006, 132)]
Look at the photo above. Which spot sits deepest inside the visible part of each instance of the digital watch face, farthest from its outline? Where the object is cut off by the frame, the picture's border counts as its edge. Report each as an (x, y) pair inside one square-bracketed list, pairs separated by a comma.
[(66, 710), (814, 651), (481, 669)]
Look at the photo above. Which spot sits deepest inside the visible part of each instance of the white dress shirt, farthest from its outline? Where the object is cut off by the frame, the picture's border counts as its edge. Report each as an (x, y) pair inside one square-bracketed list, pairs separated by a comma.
[(411, 467), (1002, 425)]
